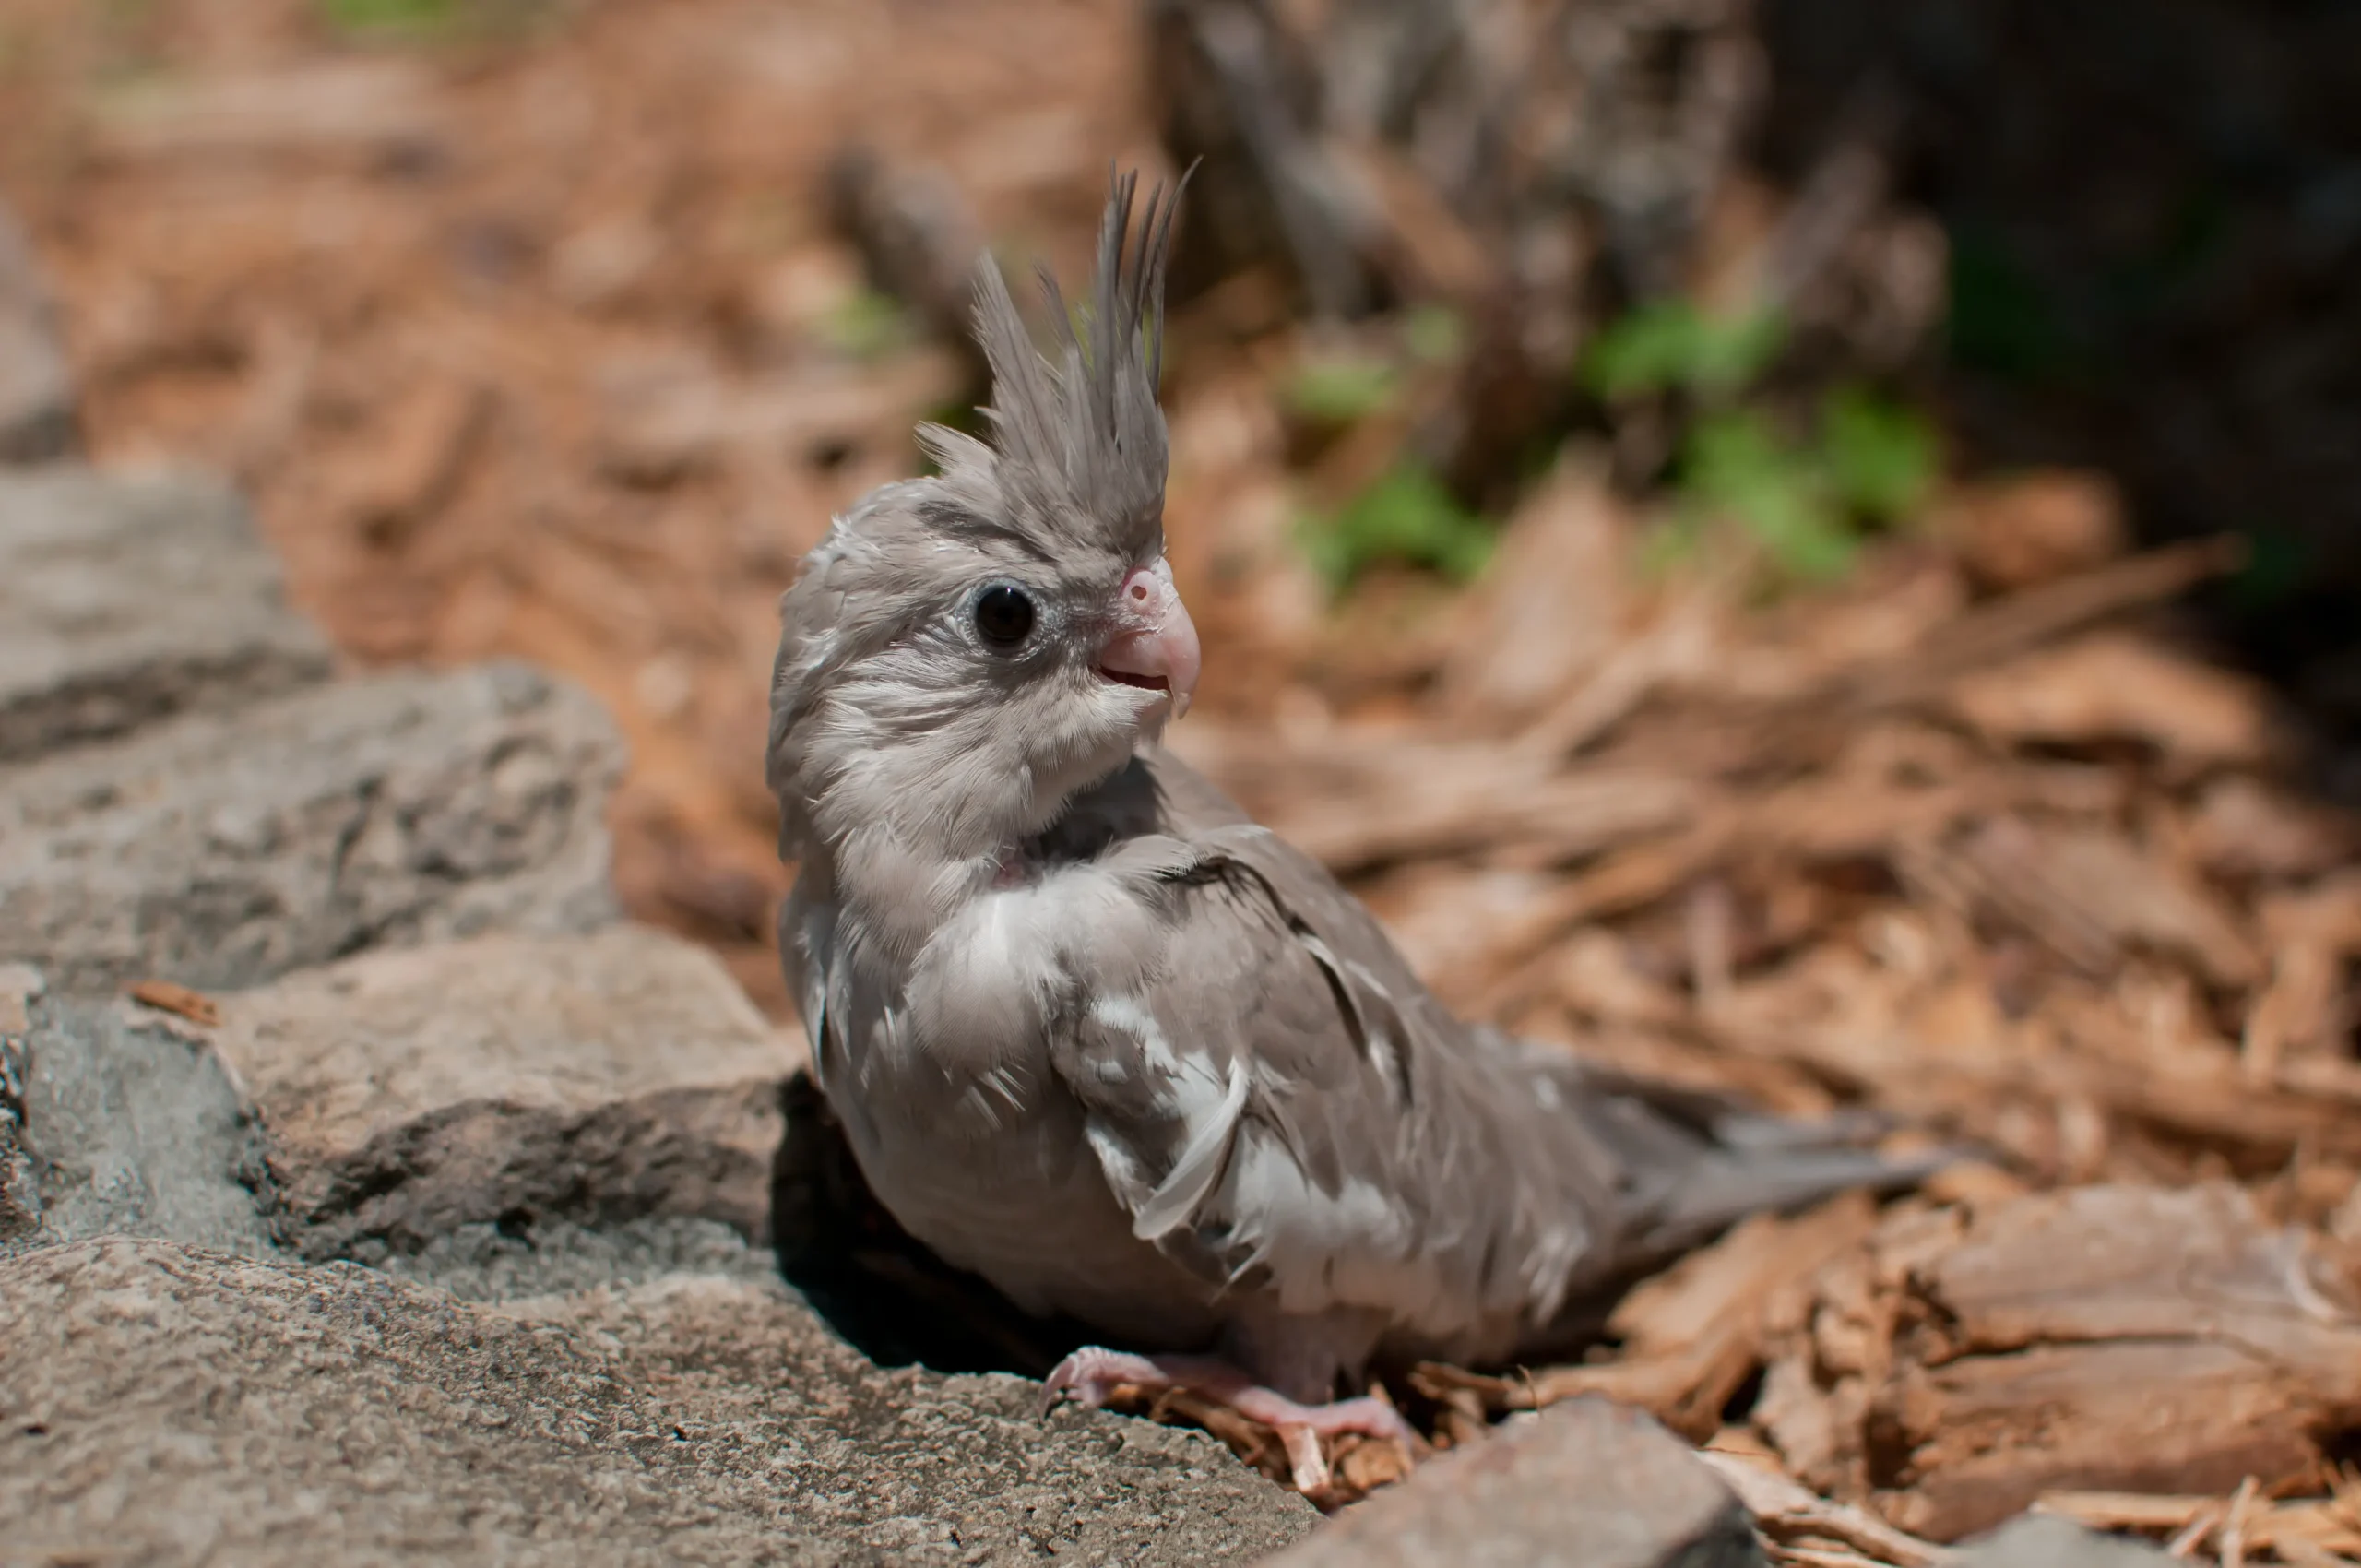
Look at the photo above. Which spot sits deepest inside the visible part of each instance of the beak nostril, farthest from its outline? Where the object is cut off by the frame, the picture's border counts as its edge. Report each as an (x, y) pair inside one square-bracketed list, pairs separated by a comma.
[(1153, 645)]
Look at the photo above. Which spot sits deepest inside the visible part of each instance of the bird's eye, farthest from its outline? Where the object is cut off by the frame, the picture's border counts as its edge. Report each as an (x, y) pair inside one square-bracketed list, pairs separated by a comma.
[(1004, 616)]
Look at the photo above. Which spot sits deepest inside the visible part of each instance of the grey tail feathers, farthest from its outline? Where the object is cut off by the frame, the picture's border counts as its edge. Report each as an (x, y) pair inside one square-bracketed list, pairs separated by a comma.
[(1740, 1177), (1697, 1163), (1691, 1165)]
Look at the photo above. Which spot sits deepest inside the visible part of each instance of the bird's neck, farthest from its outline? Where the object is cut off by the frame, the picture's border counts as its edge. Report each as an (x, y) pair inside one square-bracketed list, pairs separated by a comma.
[(897, 879), (898, 876), (891, 893)]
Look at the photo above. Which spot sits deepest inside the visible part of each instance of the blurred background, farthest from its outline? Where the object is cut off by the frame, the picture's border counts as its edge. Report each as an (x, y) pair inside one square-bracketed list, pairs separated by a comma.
[(1810, 545)]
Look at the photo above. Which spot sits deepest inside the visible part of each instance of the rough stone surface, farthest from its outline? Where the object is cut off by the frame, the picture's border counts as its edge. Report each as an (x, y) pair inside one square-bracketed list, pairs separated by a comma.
[(506, 1079), (137, 1131), (220, 851), (2037, 1542), (19, 1193), (126, 600), (1584, 1484), (37, 422), (497, 1263), (167, 1406)]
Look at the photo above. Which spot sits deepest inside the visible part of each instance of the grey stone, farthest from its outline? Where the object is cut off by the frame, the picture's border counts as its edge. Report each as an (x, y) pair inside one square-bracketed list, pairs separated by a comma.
[(38, 421), (127, 599), (1584, 1484), (221, 850), (500, 1262), (19, 1189), (2037, 1542), (135, 1130), (167, 1406), (506, 1079)]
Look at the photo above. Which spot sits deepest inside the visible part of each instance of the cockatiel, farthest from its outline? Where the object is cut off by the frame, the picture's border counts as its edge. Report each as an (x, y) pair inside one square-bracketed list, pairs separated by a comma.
[(1095, 1035)]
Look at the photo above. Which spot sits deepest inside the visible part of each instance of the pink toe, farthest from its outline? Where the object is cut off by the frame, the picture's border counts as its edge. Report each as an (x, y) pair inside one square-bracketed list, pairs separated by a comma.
[(1371, 1417), (1091, 1373)]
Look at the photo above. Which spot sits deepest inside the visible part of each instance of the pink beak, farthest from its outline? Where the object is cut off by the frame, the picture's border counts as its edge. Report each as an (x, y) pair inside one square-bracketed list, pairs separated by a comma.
[(1156, 643)]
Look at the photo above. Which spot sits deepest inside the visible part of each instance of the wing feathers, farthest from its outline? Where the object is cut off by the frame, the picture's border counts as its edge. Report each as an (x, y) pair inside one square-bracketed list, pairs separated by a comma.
[(1283, 1109), (1177, 1197)]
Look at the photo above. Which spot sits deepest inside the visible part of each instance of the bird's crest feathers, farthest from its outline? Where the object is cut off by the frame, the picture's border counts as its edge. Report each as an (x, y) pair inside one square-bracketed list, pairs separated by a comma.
[(1077, 455)]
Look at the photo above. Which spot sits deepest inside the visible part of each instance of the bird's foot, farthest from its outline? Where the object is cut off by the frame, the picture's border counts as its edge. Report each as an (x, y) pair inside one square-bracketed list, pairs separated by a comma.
[(1091, 1376)]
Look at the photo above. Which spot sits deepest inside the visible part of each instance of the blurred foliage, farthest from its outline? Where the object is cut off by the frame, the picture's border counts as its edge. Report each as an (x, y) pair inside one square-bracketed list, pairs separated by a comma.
[(1344, 385), (1864, 460), (1672, 346), (867, 324), (434, 21), (1408, 517), (394, 19), (1434, 335), (2002, 321), (1804, 502), (1881, 457), (1802, 491), (1340, 389)]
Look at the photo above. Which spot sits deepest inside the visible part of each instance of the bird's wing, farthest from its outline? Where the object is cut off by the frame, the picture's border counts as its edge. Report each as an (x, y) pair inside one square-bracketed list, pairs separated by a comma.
[(816, 978), (1286, 1109)]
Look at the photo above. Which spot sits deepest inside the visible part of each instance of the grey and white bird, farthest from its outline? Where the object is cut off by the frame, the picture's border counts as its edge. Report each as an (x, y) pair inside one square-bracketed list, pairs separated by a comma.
[(1095, 1035)]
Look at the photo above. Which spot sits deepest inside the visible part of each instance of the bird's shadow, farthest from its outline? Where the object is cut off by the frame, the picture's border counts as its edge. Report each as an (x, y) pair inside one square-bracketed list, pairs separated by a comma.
[(876, 1285)]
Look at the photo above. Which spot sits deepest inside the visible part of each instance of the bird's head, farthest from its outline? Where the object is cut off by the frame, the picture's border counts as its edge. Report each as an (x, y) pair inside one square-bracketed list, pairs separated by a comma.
[(963, 653)]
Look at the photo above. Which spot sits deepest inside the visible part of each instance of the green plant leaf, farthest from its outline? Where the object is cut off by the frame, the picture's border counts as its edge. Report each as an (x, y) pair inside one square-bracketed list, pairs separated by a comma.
[(1408, 516), (433, 21), (867, 324), (1734, 459), (1435, 334), (1671, 345), (1641, 352), (1732, 352), (1879, 457), (402, 18), (1734, 466), (1340, 390)]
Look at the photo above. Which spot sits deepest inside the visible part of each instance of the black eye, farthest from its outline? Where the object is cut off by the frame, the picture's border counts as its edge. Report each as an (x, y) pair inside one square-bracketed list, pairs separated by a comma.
[(1004, 616)]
